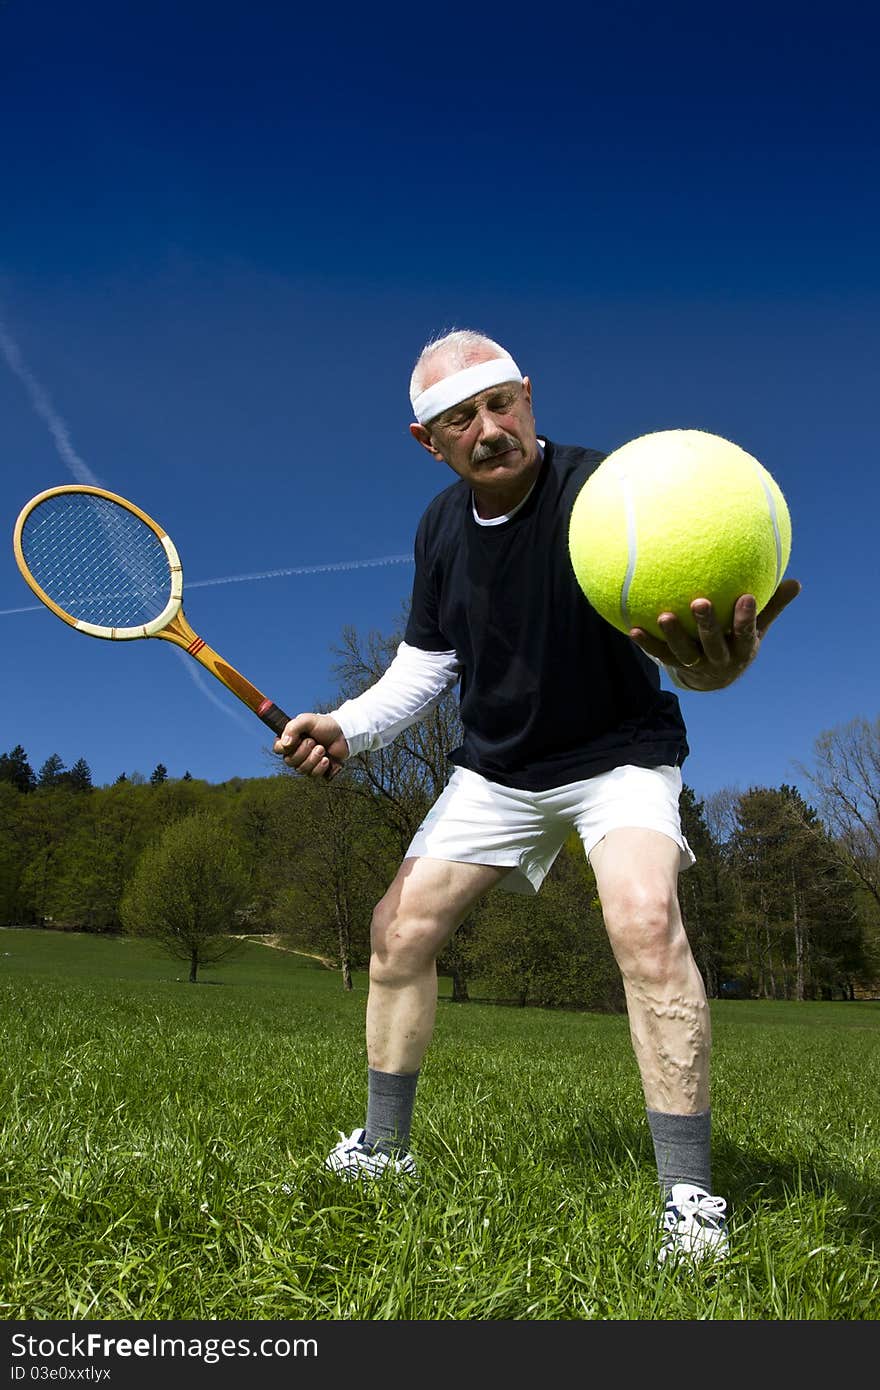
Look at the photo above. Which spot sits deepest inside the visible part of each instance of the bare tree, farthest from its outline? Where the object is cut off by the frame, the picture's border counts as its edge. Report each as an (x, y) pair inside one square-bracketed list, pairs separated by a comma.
[(719, 813), (334, 877), (403, 780), (846, 776)]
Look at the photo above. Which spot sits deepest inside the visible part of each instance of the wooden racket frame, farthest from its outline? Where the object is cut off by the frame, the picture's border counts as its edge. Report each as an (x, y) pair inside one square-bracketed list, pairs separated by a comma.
[(171, 624)]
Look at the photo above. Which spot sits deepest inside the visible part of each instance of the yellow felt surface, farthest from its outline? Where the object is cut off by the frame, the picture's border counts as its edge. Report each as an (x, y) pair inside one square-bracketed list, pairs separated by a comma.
[(688, 511)]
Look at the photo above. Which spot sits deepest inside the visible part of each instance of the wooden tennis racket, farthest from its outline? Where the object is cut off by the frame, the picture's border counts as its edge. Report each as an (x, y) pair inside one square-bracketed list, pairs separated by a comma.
[(109, 570)]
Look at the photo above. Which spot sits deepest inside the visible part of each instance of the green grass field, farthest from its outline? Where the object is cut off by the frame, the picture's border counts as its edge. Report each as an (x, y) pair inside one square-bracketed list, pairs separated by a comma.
[(149, 1126)]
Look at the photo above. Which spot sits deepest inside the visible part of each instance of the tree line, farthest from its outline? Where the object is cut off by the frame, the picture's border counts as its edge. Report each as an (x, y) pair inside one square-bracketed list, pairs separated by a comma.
[(782, 903)]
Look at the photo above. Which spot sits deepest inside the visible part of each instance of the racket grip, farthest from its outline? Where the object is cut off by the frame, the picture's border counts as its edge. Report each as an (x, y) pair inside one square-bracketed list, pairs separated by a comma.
[(274, 717)]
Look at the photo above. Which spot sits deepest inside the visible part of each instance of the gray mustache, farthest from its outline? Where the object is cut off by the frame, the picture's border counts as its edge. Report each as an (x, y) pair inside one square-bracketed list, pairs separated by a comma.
[(489, 451)]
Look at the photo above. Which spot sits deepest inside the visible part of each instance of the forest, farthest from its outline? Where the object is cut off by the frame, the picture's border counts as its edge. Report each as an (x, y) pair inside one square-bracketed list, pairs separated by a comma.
[(783, 902)]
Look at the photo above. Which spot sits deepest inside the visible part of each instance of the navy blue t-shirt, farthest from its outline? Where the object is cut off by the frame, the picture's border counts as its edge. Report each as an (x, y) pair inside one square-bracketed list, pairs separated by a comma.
[(550, 692)]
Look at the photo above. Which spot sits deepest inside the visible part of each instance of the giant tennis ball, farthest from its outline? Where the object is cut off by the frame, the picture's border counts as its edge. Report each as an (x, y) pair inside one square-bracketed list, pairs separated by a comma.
[(673, 516)]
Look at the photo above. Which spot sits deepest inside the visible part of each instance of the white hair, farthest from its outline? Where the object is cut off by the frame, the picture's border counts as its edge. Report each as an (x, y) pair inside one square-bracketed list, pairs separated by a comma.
[(461, 348)]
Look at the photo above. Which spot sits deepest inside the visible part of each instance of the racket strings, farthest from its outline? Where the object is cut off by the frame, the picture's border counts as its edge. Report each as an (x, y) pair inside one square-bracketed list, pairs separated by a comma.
[(96, 560)]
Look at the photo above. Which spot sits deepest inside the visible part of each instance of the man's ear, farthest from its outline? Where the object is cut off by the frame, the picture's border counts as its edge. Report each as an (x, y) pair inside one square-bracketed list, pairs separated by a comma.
[(422, 436)]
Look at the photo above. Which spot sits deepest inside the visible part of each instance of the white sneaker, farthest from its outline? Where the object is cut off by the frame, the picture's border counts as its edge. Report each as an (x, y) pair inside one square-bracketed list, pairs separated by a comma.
[(353, 1159), (693, 1225)]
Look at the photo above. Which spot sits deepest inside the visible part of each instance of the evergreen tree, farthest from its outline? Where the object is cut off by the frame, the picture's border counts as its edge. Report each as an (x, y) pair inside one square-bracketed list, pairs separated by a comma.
[(52, 772), (801, 935), (829, 937), (704, 895), (12, 853), (15, 768), (80, 776), (158, 775)]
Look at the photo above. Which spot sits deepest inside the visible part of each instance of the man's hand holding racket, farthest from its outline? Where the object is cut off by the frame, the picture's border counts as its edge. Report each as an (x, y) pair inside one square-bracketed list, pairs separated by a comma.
[(314, 745)]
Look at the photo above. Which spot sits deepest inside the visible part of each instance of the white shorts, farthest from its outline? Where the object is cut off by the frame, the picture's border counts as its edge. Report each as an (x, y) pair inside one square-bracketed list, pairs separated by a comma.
[(475, 821)]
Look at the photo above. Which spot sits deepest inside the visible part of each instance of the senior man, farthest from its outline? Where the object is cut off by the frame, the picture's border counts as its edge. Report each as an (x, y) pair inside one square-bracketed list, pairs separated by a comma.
[(566, 725)]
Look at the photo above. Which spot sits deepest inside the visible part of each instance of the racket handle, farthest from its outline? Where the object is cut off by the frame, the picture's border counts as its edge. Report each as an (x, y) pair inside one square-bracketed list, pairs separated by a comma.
[(274, 717)]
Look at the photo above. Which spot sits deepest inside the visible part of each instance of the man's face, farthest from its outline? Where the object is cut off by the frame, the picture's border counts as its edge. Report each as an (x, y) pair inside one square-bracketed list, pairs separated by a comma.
[(489, 439)]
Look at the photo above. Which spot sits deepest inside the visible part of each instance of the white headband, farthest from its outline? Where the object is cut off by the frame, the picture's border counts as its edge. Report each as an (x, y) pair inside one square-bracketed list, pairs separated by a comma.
[(460, 386)]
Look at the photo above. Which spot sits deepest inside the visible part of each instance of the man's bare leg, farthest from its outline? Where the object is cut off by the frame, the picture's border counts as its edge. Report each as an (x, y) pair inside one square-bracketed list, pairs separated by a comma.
[(637, 877), (427, 901)]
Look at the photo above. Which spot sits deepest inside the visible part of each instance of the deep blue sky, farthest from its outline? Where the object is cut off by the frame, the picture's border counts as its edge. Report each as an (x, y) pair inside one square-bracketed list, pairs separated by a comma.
[(227, 230)]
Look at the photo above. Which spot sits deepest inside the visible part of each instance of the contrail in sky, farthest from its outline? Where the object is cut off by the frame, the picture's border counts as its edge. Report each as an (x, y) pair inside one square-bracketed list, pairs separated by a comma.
[(42, 404), (304, 569), (199, 680), (330, 567), (43, 407)]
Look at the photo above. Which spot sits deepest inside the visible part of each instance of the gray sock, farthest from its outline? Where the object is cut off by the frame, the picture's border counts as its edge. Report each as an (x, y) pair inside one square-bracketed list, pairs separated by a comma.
[(682, 1148), (390, 1100)]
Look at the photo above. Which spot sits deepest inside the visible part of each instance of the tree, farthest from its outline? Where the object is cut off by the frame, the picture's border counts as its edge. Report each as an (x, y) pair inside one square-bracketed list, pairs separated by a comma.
[(12, 853), (265, 819), (79, 778), (52, 772), (44, 826), (188, 890), (109, 830), (846, 774), (801, 931), (406, 777), (15, 768), (402, 780), (339, 817), (551, 950), (158, 775), (704, 894), (335, 864), (175, 798)]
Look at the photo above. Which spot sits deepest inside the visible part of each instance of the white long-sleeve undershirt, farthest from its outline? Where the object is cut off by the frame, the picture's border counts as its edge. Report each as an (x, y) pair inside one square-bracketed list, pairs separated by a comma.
[(411, 686)]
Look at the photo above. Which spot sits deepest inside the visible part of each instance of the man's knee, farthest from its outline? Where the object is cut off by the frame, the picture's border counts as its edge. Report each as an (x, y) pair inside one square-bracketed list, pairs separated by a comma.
[(403, 943), (643, 922), (651, 898), (421, 910)]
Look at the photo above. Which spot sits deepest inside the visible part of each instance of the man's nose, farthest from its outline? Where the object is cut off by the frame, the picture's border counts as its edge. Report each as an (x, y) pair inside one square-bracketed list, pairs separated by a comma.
[(489, 426)]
